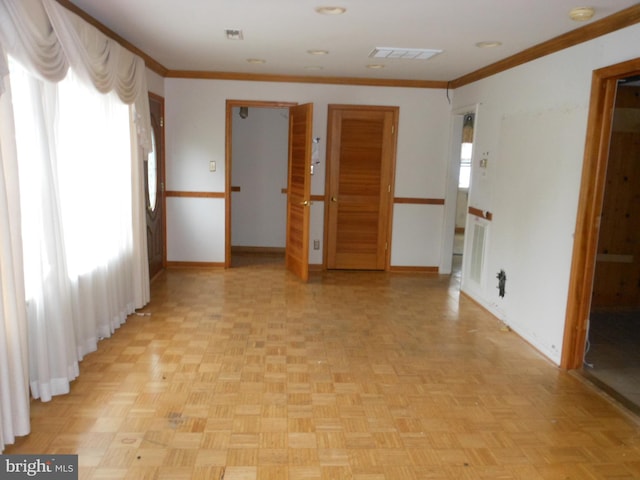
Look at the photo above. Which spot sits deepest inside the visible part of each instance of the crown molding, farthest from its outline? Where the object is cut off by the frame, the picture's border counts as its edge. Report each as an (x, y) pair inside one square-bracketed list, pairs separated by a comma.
[(150, 62), (622, 19), (253, 77)]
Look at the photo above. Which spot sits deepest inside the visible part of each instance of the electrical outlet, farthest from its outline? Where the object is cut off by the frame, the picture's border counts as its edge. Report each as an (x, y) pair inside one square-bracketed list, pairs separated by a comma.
[(316, 244)]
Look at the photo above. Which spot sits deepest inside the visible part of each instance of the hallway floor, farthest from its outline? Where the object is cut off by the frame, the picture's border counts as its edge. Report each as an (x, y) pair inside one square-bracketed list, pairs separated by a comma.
[(247, 374), (613, 357)]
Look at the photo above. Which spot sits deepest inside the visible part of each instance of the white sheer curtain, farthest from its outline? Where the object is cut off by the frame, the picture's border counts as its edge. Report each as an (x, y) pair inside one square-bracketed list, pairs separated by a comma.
[(66, 306), (45, 267), (14, 380), (74, 162)]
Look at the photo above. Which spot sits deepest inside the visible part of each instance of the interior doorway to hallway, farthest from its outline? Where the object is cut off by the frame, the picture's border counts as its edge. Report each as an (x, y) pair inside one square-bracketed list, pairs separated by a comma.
[(257, 173), (612, 358), (585, 288), (462, 198)]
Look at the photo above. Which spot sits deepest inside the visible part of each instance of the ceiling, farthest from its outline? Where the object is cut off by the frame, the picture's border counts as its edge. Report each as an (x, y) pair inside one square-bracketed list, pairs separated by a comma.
[(189, 35)]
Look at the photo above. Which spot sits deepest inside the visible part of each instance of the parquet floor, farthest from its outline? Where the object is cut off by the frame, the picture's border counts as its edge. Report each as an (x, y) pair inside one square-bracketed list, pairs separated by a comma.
[(247, 374)]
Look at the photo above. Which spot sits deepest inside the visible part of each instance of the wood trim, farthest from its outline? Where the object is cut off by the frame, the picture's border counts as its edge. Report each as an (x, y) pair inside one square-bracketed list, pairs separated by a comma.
[(174, 193), (150, 62), (613, 258), (616, 21), (228, 122), (622, 19), (232, 103), (480, 213), (195, 265), (253, 77), (228, 159), (419, 201), (459, 230), (259, 250), (313, 198), (235, 189), (594, 167), (410, 269)]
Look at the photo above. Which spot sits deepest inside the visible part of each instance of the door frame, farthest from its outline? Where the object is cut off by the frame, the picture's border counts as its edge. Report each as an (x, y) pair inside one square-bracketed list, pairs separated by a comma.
[(604, 85), (230, 105), (395, 111), (451, 193)]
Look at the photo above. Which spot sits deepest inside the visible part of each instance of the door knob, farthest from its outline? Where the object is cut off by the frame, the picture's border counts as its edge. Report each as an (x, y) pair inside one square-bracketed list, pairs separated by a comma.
[(334, 199), (305, 203)]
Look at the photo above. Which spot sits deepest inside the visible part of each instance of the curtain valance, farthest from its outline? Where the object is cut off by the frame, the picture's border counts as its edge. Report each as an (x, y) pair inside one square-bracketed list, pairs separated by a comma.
[(49, 39)]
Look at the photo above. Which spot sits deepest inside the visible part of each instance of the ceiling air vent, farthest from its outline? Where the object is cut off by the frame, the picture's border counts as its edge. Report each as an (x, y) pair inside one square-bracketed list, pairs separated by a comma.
[(404, 53), (233, 34)]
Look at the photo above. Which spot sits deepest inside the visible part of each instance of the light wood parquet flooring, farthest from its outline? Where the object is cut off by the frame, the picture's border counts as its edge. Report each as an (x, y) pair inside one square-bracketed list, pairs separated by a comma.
[(247, 374)]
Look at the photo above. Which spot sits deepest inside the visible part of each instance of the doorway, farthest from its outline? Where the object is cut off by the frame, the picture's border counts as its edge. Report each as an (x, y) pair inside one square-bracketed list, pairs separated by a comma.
[(462, 198), (583, 281), (256, 177), (154, 189), (612, 358), (361, 150)]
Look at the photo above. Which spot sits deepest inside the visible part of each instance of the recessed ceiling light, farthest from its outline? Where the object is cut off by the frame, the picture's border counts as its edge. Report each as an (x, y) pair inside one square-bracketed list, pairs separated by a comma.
[(318, 52), (313, 67), (233, 34), (488, 44), (256, 60), (375, 66), (581, 14), (331, 10)]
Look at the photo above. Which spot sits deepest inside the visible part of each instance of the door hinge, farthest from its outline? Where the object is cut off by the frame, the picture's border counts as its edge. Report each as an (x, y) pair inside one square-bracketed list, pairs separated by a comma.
[(393, 129), (389, 188), (386, 246), (162, 122)]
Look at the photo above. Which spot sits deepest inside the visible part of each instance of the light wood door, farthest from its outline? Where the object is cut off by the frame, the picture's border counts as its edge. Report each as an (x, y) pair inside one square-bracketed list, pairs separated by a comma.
[(299, 190), (361, 162), (154, 189)]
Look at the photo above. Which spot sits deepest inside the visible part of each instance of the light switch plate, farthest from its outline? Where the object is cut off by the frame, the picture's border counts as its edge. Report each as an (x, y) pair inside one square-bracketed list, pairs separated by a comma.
[(212, 166)]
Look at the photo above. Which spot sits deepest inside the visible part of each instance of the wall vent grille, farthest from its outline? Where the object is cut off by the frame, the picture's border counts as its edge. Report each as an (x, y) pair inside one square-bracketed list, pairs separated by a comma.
[(404, 53), (477, 253)]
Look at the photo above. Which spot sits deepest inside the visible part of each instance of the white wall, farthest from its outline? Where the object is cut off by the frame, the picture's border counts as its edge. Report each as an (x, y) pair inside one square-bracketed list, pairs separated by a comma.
[(195, 134), (155, 83), (531, 126), (462, 207), (260, 157)]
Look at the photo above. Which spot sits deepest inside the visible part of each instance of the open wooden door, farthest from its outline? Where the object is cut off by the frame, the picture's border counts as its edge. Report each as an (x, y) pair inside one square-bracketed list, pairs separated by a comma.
[(299, 190)]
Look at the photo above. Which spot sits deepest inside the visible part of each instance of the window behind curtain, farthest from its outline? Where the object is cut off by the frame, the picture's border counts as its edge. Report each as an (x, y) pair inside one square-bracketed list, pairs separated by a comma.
[(75, 169), (91, 168)]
